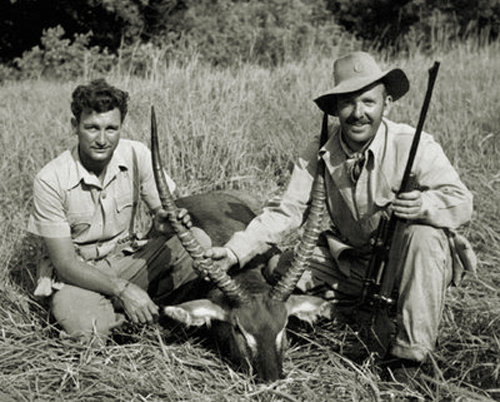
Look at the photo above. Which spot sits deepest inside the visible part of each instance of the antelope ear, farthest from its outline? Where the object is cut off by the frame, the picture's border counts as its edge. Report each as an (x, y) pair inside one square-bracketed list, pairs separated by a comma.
[(196, 313), (309, 308)]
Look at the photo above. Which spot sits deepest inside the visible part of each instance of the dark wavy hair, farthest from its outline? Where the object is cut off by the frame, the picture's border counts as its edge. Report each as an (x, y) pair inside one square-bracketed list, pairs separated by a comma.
[(99, 96)]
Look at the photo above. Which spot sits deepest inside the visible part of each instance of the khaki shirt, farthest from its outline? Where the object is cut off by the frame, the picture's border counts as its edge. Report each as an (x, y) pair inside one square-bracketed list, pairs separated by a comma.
[(355, 208), (71, 202)]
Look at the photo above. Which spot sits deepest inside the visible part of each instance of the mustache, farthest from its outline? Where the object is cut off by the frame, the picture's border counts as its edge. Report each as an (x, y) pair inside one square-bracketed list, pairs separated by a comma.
[(354, 120)]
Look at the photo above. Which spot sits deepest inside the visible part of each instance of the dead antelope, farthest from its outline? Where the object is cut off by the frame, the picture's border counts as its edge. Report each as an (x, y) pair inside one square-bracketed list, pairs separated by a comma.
[(247, 315)]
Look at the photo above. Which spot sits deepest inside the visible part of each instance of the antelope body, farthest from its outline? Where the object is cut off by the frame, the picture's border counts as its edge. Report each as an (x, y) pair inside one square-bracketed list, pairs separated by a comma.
[(249, 316)]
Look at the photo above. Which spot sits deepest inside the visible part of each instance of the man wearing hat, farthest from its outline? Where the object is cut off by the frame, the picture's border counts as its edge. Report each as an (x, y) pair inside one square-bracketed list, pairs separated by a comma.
[(365, 157)]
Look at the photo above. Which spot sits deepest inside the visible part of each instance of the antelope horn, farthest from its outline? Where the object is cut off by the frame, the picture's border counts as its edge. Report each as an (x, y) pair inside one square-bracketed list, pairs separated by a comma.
[(202, 266), (312, 228)]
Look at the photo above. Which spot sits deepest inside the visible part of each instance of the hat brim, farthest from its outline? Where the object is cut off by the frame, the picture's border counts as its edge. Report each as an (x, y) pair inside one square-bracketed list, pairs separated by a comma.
[(395, 80)]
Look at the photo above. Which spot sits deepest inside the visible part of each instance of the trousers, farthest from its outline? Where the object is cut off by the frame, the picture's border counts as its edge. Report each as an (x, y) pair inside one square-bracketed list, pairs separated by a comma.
[(424, 271), (160, 267)]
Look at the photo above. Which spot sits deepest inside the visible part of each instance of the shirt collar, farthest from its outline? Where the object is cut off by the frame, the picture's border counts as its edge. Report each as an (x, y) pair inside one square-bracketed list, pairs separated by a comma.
[(80, 174)]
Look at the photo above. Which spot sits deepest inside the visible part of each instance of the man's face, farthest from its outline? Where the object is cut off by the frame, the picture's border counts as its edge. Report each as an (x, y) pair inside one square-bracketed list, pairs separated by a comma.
[(360, 114), (98, 135)]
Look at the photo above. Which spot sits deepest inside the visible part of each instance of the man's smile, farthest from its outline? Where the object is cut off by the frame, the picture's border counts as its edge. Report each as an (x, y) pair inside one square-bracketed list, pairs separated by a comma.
[(357, 127)]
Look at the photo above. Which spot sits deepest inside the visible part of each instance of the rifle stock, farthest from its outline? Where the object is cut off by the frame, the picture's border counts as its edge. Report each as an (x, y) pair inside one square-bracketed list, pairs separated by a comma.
[(379, 281)]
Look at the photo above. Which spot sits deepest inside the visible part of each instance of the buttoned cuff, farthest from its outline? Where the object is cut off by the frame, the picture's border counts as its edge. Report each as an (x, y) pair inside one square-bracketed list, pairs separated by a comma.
[(239, 247)]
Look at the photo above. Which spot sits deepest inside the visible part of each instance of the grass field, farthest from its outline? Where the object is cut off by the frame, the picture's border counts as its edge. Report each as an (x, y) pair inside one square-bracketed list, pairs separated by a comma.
[(241, 128)]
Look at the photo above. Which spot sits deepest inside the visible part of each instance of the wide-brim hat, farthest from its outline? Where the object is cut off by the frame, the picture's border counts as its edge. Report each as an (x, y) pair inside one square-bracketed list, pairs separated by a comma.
[(356, 71)]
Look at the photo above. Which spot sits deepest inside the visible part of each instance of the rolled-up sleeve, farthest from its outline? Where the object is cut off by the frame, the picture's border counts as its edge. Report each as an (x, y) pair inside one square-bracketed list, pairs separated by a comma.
[(48, 218), (280, 214)]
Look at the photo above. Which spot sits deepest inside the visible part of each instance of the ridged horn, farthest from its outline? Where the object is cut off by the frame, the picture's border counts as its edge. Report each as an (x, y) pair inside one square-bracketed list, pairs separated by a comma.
[(312, 228), (202, 266)]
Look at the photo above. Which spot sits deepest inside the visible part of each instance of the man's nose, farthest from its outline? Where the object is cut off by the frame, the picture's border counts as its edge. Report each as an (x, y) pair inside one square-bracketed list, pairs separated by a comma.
[(101, 138), (358, 110)]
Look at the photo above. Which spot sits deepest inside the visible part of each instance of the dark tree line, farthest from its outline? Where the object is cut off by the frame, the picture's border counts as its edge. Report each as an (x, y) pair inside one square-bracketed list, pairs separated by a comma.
[(110, 21), (209, 24)]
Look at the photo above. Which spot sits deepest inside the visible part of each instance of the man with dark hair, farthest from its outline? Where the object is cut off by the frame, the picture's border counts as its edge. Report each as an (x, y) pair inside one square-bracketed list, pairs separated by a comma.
[(365, 156), (85, 202), (99, 96)]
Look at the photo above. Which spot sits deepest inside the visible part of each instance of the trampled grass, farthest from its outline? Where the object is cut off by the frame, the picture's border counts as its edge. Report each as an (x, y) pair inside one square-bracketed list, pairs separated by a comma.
[(241, 128)]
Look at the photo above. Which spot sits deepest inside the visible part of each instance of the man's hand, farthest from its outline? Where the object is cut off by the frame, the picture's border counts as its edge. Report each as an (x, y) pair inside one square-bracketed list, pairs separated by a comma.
[(137, 304), (222, 256), (409, 205), (162, 223)]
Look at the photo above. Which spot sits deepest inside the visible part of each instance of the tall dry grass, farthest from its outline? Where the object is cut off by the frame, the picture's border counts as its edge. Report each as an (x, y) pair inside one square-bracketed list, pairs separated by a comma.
[(240, 128)]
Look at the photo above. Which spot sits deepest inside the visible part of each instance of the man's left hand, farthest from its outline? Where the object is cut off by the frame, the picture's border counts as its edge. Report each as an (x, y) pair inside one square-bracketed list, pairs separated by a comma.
[(137, 304), (162, 222), (409, 205), (223, 257)]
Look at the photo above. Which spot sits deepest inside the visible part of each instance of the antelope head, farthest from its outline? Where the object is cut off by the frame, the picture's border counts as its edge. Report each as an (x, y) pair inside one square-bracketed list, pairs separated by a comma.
[(248, 316)]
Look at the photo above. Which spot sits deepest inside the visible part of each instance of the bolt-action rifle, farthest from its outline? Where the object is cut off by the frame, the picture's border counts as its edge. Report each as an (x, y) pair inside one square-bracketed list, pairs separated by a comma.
[(379, 281)]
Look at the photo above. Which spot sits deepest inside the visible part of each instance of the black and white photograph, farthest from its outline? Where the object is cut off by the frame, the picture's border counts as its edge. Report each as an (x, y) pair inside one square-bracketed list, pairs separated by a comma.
[(250, 200)]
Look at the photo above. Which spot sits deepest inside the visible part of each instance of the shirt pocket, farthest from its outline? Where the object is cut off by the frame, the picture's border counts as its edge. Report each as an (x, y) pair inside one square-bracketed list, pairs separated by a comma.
[(79, 223), (123, 209)]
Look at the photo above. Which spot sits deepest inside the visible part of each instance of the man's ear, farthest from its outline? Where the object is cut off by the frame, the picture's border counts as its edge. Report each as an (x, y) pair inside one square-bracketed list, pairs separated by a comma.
[(74, 125), (387, 105)]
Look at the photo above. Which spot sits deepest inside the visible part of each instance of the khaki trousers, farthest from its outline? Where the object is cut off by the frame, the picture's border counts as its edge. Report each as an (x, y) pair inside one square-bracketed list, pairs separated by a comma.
[(424, 266), (160, 267)]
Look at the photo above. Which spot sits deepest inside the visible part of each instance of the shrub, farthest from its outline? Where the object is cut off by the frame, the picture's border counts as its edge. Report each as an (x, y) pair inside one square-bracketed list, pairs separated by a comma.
[(62, 58), (7, 73)]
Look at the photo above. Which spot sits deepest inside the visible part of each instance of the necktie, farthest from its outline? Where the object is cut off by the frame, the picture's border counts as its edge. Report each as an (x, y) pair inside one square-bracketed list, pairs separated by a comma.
[(354, 165)]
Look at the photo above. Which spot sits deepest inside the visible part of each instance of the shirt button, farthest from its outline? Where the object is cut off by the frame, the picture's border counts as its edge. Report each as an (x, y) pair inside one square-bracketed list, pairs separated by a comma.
[(103, 195)]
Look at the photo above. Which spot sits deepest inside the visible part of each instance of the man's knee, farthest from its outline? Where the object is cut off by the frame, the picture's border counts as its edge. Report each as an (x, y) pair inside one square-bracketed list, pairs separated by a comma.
[(83, 313), (425, 236), (427, 244), (423, 247)]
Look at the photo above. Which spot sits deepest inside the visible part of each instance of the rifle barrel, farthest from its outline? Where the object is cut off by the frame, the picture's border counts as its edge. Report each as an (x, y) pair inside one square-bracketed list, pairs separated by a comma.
[(433, 71)]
